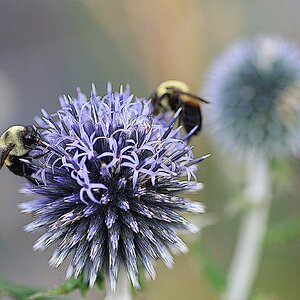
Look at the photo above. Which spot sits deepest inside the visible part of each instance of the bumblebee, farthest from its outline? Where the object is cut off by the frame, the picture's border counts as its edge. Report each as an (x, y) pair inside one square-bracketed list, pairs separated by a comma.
[(173, 94), (15, 144)]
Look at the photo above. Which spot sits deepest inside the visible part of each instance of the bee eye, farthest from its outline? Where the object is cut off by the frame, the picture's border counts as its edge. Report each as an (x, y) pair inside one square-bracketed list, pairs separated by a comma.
[(29, 140)]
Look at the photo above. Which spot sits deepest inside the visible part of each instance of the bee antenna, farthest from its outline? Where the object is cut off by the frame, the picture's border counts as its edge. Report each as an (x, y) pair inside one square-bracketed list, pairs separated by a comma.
[(161, 97)]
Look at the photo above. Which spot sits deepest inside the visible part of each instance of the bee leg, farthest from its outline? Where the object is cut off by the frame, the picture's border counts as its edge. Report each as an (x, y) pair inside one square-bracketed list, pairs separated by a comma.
[(32, 180), (4, 154), (158, 104), (40, 155), (179, 120)]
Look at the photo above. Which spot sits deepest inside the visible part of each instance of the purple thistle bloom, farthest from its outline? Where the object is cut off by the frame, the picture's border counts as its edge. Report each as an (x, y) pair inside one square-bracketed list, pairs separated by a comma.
[(108, 185)]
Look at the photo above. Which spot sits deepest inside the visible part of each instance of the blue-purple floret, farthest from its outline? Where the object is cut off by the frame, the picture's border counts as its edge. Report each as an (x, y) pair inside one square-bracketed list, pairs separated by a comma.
[(108, 187)]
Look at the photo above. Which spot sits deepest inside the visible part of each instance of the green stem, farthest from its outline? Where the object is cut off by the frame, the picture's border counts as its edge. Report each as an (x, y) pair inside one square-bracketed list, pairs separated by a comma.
[(17, 291)]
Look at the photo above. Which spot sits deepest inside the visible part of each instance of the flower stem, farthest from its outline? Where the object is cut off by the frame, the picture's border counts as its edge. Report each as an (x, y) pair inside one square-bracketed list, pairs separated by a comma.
[(252, 232), (122, 291)]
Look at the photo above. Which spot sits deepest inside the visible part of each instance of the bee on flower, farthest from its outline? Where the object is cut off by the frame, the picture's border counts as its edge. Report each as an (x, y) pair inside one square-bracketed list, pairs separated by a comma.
[(108, 187)]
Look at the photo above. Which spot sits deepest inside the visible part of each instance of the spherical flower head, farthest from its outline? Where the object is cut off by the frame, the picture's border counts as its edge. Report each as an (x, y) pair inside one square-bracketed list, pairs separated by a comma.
[(108, 184), (254, 88)]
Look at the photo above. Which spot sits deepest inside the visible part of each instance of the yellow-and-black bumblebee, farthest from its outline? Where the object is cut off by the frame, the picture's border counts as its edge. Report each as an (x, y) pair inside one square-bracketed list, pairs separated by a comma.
[(173, 94), (15, 144)]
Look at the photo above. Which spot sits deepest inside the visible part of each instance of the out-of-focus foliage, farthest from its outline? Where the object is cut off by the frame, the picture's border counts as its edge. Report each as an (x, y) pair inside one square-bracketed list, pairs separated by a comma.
[(214, 273), (284, 232)]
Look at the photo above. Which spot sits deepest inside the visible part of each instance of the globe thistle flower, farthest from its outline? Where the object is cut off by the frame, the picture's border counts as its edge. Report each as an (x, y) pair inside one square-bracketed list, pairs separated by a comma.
[(108, 184), (255, 90), (255, 114)]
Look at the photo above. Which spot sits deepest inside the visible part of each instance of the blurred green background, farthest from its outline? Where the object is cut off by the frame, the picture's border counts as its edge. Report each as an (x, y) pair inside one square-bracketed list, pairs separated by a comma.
[(48, 48)]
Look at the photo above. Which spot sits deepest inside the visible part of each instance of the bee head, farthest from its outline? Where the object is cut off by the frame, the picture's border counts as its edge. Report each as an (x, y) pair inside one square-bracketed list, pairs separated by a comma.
[(30, 136)]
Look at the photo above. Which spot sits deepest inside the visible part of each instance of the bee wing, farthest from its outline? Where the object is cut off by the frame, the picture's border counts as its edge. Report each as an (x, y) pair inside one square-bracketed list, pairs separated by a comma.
[(188, 97), (4, 154), (197, 97)]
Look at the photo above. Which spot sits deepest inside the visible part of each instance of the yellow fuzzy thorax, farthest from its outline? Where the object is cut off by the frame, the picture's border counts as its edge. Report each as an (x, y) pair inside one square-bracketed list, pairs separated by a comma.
[(163, 87)]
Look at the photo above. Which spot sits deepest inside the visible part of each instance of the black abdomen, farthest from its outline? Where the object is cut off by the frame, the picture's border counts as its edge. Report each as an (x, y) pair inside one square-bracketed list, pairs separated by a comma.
[(20, 168)]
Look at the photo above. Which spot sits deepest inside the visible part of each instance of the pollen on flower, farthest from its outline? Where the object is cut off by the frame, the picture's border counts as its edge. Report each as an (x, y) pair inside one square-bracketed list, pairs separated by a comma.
[(108, 186)]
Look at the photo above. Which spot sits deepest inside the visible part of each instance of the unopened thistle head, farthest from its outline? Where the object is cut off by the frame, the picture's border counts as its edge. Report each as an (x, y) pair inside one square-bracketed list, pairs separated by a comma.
[(108, 186), (255, 92)]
